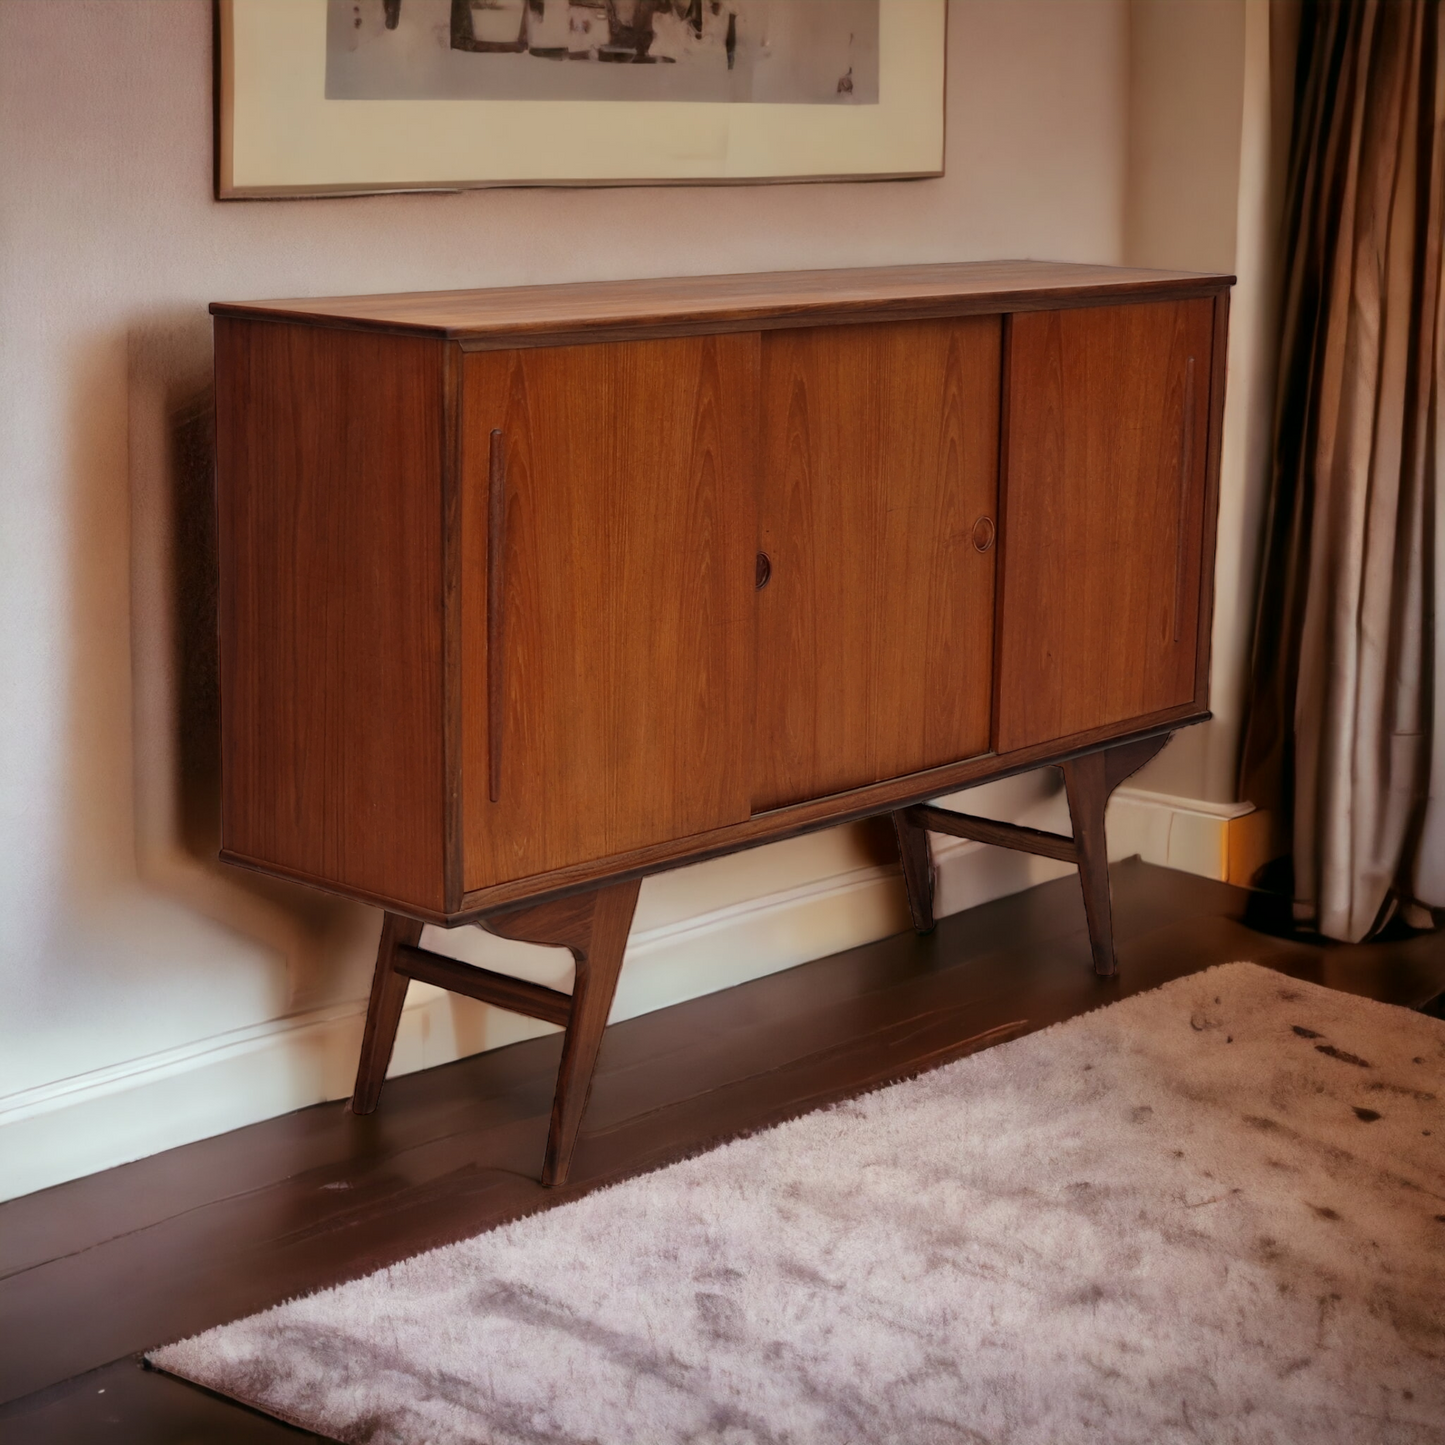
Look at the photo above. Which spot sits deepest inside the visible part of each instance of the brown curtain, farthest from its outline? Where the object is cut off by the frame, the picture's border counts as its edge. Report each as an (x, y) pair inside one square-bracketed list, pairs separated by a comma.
[(1346, 734)]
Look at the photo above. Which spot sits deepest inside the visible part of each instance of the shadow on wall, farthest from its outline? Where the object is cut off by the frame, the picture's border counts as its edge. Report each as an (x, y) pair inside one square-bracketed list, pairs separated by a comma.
[(327, 943)]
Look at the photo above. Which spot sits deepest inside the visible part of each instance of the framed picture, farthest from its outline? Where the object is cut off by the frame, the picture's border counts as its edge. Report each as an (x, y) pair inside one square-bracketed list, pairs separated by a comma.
[(338, 97)]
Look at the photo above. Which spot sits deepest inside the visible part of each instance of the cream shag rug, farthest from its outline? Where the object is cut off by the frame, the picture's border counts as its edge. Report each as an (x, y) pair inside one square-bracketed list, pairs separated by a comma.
[(1215, 1212)]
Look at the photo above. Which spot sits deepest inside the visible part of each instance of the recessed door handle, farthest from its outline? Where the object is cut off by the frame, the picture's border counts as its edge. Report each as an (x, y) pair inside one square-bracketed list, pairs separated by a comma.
[(764, 571), (496, 597), (1186, 469), (983, 534)]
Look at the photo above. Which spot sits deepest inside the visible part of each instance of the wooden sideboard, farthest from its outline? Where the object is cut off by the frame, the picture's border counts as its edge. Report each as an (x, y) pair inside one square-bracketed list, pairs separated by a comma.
[(528, 593)]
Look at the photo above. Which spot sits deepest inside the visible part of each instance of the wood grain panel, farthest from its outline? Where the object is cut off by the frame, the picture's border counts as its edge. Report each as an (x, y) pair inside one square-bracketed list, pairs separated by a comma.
[(875, 632), (1107, 425), (544, 315), (329, 449), (626, 618)]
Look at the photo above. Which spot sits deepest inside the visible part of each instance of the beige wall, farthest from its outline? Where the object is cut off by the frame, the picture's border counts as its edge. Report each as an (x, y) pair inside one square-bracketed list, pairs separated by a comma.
[(151, 995), (1186, 93)]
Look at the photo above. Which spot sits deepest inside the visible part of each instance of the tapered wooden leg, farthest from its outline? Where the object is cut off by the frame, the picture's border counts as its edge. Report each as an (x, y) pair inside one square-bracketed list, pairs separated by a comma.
[(594, 927), (383, 1013), (1085, 783), (597, 973), (917, 870), (1089, 781)]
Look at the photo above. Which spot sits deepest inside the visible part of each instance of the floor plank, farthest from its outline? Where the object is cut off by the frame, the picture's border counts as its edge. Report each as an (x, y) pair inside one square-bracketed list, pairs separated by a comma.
[(127, 1404), (95, 1271)]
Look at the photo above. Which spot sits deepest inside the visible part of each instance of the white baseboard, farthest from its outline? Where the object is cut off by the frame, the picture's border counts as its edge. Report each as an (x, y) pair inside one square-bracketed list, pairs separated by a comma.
[(96, 1120), (1182, 833)]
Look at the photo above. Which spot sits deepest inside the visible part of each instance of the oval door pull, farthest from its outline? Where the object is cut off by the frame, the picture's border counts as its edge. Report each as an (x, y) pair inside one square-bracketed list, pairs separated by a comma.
[(1186, 471), (983, 533), (496, 597), (764, 571)]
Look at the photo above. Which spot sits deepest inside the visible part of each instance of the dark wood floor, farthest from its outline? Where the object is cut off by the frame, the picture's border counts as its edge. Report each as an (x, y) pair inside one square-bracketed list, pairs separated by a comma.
[(93, 1272)]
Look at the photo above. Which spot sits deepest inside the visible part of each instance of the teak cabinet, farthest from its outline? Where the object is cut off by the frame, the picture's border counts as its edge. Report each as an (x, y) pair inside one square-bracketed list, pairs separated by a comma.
[(528, 593)]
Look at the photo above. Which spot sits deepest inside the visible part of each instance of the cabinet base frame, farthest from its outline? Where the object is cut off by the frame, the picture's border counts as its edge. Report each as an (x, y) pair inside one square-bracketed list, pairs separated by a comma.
[(1088, 780), (593, 927)]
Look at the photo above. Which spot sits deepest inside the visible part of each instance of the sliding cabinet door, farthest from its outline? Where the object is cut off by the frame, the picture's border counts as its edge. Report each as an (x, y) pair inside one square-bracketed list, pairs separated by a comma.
[(1103, 529), (607, 596), (877, 488)]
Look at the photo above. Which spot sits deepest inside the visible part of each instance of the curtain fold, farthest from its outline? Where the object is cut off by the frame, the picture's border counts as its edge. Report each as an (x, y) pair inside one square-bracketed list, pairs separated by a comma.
[(1346, 733)]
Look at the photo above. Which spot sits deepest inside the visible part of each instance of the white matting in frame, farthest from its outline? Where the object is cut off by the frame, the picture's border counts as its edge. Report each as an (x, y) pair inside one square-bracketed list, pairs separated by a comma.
[(335, 97)]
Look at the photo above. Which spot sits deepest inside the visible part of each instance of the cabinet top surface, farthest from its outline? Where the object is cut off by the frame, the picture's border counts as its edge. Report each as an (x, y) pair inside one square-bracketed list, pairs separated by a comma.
[(679, 303)]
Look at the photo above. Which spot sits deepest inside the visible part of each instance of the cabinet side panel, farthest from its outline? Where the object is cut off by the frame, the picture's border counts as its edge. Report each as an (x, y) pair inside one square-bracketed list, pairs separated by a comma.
[(1209, 532), (329, 448), (1108, 431), (621, 485), (875, 632)]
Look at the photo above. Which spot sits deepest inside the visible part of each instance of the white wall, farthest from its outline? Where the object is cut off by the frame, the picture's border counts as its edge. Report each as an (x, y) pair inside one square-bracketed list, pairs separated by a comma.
[(150, 995)]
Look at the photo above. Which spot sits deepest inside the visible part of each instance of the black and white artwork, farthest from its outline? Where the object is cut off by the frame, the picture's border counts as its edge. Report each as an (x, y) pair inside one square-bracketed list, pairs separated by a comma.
[(788, 52)]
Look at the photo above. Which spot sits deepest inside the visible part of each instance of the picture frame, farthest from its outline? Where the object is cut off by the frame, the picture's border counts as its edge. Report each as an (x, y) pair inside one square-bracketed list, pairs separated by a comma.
[(770, 115)]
